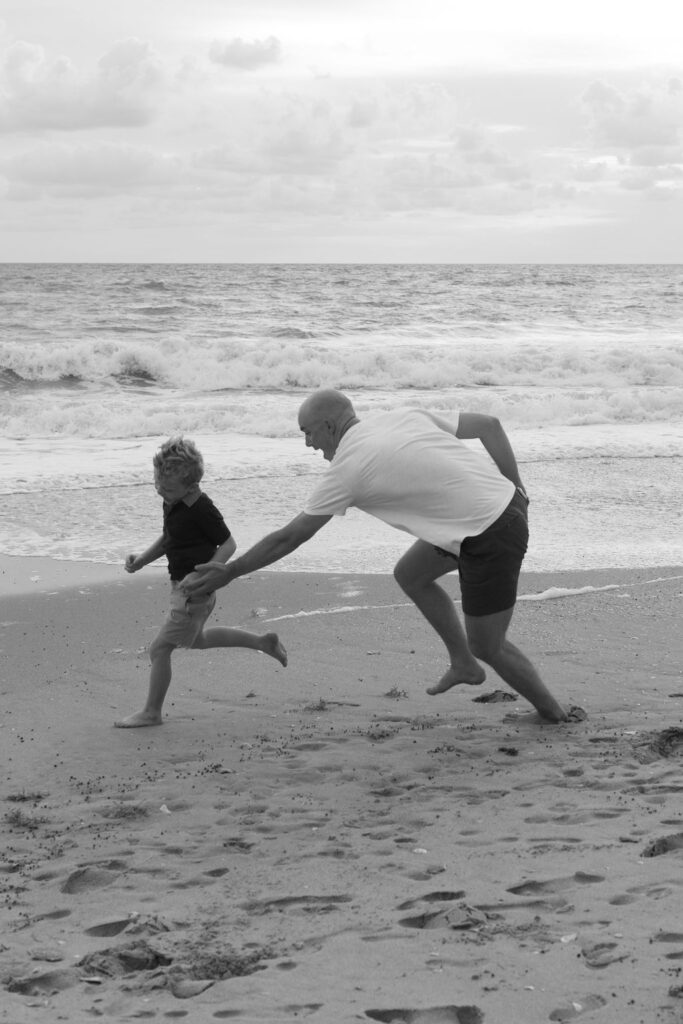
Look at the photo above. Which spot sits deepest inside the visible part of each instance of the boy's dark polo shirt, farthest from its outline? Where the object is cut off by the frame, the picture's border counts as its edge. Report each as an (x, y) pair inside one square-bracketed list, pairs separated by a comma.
[(192, 532)]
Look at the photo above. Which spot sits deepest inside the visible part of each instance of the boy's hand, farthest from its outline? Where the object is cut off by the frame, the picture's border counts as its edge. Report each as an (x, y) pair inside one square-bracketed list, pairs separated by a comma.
[(131, 564)]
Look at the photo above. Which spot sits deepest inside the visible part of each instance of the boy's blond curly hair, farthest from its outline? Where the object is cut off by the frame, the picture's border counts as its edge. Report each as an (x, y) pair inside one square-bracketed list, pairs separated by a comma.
[(180, 457)]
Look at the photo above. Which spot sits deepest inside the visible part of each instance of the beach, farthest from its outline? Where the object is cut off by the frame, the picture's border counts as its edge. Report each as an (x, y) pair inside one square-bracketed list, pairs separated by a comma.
[(327, 841)]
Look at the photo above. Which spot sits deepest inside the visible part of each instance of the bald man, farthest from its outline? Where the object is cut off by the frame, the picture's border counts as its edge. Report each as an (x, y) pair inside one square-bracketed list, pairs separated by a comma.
[(468, 510)]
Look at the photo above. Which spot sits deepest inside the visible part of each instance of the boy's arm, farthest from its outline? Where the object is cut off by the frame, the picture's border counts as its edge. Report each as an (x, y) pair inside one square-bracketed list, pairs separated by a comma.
[(135, 562), (225, 551)]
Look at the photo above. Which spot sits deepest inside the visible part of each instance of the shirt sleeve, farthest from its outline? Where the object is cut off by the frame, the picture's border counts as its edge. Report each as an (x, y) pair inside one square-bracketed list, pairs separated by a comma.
[(213, 524), (331, 497)]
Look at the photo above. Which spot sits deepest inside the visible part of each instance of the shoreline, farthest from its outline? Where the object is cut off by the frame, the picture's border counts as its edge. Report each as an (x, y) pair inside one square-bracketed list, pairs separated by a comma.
[(327, 841), (36, 574), (21, 575)]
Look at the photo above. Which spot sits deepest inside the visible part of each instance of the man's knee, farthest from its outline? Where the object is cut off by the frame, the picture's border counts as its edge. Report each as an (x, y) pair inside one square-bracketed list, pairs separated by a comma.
[(412, 576), (482, 647), (484, 643), (487, 634)]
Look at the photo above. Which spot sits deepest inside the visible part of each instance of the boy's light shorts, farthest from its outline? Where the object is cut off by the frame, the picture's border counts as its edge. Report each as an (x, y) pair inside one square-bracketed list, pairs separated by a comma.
[(186, 619)]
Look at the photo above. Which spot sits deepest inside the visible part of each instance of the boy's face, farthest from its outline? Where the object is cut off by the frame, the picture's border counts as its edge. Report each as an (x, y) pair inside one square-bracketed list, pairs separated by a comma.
[(170, 486)]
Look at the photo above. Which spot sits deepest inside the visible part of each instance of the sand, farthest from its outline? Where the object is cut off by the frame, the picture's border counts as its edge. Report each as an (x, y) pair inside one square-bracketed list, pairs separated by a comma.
[(327, 842)]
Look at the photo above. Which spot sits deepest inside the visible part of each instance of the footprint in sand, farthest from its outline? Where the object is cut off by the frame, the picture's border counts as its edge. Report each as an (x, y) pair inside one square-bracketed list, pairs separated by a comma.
[(653, 892), (320, 903), (622, 900), (664, 845), (430, 1015), (108, 928), (186, 988), (576, 714), (667, 743), (428, 871), (41, 985), (136, 957), (432, 897), (238, 844), (461, 916), (582, 1005), (52, 915), (302, 1009), (601, 954), (93, 876), (581, 817), (495, 697), (555, 884)]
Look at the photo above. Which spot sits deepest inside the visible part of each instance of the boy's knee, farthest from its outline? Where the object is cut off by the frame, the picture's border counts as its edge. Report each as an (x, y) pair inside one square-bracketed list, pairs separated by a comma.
[(159, 649)]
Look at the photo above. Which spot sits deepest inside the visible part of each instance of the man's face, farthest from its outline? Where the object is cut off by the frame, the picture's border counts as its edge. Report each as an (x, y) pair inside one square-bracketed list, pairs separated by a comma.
[(318, 434), (170, 486)]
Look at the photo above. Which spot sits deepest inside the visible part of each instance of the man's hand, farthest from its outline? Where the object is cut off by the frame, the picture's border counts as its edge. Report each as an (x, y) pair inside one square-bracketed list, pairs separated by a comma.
[(132, 564), (210, 576), (206, 578)]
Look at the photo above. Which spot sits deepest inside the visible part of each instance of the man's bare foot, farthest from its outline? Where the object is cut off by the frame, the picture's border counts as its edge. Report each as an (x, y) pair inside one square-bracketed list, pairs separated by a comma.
[(451, 678), (139, 720), (273, 647), (553, 714)]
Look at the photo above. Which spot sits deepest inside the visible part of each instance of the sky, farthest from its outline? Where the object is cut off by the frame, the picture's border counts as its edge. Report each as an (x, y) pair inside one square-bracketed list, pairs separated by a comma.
[(344, 131)]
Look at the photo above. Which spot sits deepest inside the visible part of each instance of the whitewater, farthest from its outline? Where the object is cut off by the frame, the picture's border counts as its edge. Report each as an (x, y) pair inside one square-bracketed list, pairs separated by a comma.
[(584, 366)]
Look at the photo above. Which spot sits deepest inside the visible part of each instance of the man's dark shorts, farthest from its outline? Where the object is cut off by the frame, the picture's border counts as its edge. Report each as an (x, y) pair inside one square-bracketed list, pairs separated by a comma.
[(489, 564)]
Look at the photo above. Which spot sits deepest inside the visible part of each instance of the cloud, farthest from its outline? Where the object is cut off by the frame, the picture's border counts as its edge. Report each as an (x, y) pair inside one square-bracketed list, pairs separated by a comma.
[(37, 92), (590, 170), (648, 116), (87, 171), (643, 129), (246, 56)]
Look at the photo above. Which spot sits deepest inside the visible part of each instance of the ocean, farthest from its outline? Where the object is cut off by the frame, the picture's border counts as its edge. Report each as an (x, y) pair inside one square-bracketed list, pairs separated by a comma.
[(99, 363)]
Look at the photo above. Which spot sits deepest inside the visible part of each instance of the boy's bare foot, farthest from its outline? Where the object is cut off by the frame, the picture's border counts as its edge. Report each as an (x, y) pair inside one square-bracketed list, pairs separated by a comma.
[(273, 647), (139, 720), (451, 678)]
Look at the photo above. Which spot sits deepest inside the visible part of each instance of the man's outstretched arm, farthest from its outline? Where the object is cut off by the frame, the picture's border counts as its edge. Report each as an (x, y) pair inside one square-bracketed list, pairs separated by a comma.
[(210, 576)]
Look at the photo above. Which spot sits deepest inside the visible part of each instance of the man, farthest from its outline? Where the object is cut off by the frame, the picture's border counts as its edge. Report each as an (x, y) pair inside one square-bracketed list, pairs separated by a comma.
[(411, 469)]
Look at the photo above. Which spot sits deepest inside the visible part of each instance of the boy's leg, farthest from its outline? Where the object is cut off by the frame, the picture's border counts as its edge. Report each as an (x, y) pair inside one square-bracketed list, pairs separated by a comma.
[(159, 681), (226, 636)]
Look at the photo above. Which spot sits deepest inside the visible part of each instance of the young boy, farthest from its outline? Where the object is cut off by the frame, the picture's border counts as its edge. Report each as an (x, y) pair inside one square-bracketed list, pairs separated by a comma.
[(194, 531)]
